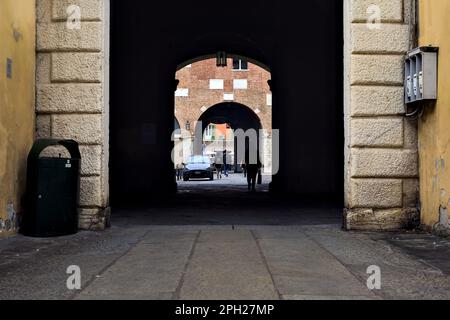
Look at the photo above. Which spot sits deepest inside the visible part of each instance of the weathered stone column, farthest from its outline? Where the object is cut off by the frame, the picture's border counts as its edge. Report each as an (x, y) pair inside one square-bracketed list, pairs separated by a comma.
[(72, 91), (381, 145)]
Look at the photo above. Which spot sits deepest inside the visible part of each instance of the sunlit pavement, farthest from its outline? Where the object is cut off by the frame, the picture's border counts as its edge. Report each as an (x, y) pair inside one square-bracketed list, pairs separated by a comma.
[(210, 244), (237, 180)]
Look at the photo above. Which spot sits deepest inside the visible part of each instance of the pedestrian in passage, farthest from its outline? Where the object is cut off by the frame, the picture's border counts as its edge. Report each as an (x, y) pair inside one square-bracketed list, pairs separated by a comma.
[(225, 164), (252, 166)]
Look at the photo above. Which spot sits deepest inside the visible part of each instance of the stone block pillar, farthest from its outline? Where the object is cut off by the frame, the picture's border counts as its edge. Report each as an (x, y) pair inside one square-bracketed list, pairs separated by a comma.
[(72, 94), (381, 145)]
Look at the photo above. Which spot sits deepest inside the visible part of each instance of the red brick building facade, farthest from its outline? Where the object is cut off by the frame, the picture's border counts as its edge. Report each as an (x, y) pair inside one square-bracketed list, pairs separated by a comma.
[(203, 85)]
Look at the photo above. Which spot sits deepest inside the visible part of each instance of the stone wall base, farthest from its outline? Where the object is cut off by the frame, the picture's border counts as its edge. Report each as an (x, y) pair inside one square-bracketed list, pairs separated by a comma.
[(7, 234), (442, 231), (90, 219), (381, 220), (439, 230), (97, 219), (9, 226)]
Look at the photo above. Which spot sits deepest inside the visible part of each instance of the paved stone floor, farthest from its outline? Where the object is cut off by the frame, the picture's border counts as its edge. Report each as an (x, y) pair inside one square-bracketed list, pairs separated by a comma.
[(210, 244)]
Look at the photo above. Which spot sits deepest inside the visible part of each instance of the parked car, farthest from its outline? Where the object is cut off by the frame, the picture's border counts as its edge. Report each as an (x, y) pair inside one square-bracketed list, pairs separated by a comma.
[(198, 167)]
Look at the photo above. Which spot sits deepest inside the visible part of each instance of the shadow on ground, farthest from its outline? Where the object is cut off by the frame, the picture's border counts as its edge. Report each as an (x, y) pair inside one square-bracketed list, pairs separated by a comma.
[(227, 202)]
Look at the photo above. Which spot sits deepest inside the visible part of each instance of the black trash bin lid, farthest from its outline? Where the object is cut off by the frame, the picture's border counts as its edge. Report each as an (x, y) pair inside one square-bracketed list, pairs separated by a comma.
[(42, 144)]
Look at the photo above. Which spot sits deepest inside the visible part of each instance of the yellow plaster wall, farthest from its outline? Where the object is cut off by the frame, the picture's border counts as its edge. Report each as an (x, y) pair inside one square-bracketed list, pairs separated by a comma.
[(434, 126), (17, 96)]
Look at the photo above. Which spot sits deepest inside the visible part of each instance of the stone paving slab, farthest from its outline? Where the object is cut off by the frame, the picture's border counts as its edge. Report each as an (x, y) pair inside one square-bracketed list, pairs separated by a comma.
[(150, 270), (403, 276), (300, 267), (227, 265)]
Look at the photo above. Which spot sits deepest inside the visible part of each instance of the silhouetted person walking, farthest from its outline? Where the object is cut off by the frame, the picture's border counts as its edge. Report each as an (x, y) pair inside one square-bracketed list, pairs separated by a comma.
[(244, 169), (179, 171), (225, 164), (252, 167)]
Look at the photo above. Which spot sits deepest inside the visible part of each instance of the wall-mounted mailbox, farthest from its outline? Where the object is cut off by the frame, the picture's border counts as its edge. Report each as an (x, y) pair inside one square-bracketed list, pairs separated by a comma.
[(421, 74)]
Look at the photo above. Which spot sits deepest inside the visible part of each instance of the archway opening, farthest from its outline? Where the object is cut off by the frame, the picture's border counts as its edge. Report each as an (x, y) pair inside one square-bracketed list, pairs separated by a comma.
[(226, 106), (307, 82)]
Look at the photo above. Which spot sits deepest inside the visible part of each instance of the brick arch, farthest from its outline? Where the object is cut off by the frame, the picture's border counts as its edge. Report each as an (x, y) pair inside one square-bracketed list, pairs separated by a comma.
[(237, 115)]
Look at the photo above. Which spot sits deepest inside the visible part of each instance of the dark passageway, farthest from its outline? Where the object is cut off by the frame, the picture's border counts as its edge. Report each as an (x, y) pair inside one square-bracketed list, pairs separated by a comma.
[(212, 205), (306, 73), (228, 203)]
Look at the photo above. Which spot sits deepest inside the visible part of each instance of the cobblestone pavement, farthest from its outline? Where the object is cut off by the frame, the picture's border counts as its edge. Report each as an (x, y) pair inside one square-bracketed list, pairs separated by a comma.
[(206, 243)]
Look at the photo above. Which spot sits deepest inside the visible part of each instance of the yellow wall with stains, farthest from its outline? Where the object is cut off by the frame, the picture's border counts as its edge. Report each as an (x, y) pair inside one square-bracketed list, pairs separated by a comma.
[(434, 126), (17, 96)]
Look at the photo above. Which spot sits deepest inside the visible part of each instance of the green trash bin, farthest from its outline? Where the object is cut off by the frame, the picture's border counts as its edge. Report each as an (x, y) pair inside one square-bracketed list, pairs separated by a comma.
[(52, 195)]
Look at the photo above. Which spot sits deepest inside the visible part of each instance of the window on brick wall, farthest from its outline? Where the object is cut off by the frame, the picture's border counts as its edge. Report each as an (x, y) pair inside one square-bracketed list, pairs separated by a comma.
[(228, 97), (216, 84), (182, 92), (240, 84), (240, 65), (269, 99), (210, 132)]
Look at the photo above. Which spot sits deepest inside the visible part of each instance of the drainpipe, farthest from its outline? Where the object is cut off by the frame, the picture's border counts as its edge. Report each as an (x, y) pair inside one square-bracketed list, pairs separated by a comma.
[(414, 25)]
